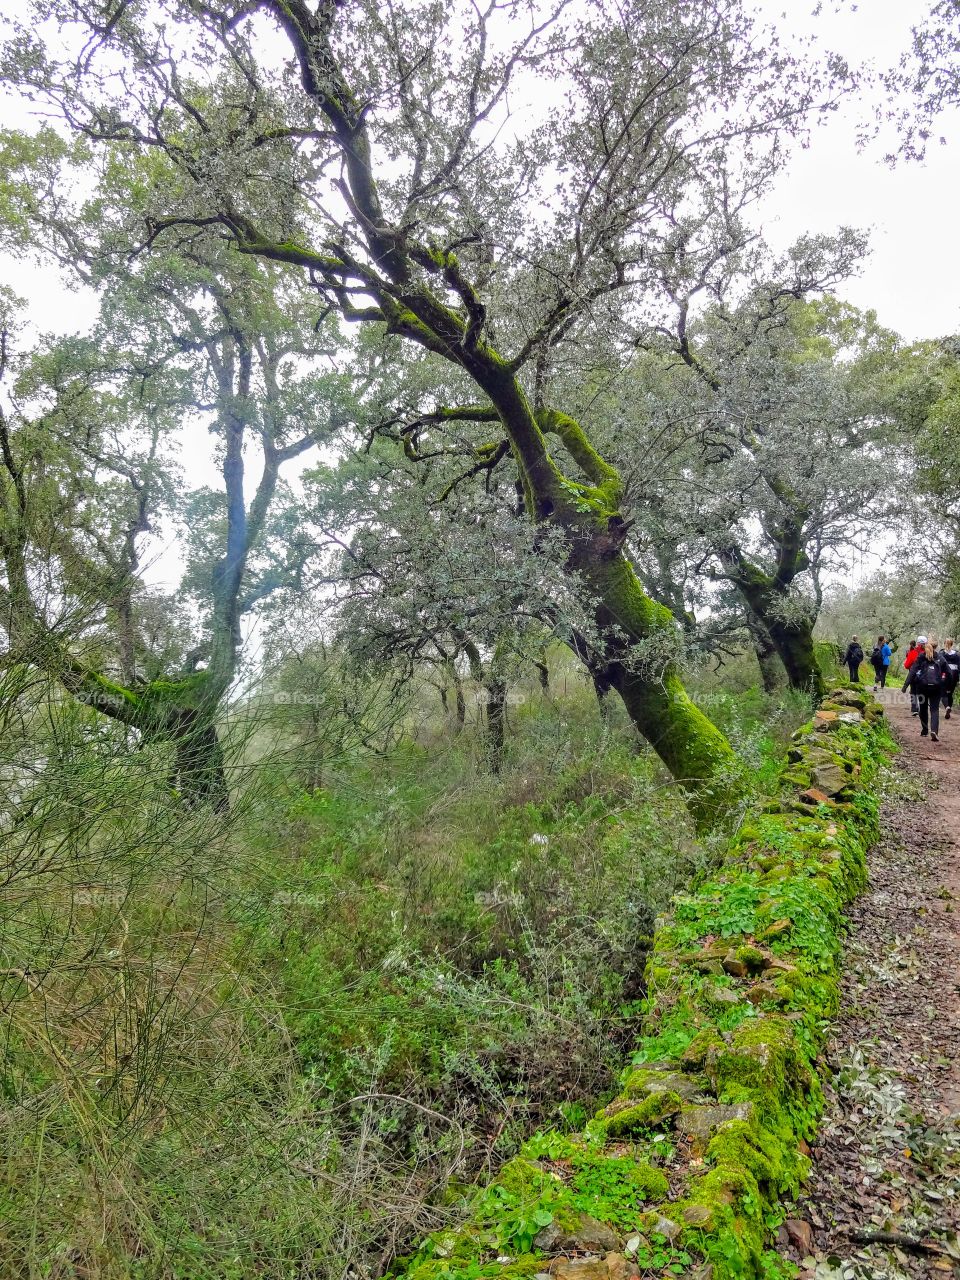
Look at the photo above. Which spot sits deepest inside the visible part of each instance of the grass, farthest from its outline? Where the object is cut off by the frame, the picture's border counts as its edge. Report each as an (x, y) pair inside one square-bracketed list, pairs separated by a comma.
[(274, 1043)]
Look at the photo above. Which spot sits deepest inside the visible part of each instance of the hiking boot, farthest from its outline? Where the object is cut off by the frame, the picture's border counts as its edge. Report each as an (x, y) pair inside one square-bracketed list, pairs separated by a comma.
[(923, 733), (947, 716), (934, 737)]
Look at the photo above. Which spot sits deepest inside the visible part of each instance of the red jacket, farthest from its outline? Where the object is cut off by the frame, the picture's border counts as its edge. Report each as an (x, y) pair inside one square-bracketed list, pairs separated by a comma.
[(912, 655)]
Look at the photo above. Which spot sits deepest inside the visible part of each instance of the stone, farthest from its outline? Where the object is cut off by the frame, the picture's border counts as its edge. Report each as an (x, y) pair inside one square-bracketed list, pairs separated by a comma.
[(702, 1051), (800, 1235), (850, 698), (583, 1235), (724, 996), (850, 717), (811, 756), (824, 720), (766, 993), (733, 965), (830, 778), (613, 1267), (655, 1224), (643, 1082), (777, 929), (814, 796), (698, 1215), (699, 1124), (626, 1116)]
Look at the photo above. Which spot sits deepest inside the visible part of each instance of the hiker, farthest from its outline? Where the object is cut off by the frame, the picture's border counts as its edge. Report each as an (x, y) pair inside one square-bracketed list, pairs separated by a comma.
[(927, 680), (910, 657), (952, 659), (853, 657), (880, 660)]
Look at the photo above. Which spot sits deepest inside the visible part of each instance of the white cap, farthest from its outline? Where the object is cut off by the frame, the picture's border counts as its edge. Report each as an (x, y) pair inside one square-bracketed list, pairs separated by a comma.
[(921, 639)]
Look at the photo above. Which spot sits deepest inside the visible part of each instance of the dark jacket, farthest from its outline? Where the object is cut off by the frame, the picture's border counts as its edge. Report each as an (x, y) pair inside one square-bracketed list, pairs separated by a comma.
[(854, 654), (952, 659), (928, 675)]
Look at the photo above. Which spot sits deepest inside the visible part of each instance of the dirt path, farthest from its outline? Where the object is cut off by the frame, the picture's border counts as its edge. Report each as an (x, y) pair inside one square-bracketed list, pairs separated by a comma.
[(887, 1158)]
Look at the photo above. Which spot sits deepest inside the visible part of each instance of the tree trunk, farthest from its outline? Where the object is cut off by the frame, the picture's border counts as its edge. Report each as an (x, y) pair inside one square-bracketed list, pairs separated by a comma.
[(198, 761), (796, 649), (793, 640), (772, 671), (461, 703), (691, 747), (496, 691)]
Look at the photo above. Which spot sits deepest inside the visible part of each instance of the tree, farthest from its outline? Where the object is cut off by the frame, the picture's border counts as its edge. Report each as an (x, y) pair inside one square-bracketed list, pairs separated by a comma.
[(928, 76), (184, 337), (460, 588), (395, 179), (786, 468)]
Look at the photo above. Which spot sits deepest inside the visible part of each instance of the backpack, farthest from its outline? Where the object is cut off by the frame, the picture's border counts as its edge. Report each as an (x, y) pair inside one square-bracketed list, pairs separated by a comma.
[(930, 675), (876, 657), (953, 665), (856, 653)]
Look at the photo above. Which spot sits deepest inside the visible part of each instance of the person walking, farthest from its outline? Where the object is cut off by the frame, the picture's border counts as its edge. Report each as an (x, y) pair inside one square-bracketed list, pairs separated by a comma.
[(880, 660), (853, 657), (927, 680), (910, 657), (952, 659)]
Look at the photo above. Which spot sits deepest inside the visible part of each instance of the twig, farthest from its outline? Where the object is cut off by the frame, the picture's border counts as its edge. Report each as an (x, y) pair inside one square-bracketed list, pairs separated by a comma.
[(861, 1236)]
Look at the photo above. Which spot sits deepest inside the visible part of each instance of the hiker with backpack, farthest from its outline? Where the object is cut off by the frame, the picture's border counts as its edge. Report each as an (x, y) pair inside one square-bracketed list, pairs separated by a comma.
[(952, 659), (853, 657), (927, 681), (913, 651), (880, 661)]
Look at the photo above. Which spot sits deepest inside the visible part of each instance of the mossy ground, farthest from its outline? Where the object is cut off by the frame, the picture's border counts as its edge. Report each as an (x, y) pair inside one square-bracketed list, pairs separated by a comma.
[(742, 982)]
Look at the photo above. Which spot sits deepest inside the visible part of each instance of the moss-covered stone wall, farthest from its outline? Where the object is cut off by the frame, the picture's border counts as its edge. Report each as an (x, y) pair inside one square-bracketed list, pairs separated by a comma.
[(684, 1173)]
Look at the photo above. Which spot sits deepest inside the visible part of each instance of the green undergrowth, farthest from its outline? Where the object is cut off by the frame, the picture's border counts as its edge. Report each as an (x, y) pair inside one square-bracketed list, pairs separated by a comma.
[(457, 939), (688, 1165)]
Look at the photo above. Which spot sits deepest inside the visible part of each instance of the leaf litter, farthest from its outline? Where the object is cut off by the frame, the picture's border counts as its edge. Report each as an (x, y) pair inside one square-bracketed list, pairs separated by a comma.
[(883, 1200)]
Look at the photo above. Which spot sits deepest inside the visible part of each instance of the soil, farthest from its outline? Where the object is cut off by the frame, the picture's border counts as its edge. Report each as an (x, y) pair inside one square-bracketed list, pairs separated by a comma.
[(887, 1156)]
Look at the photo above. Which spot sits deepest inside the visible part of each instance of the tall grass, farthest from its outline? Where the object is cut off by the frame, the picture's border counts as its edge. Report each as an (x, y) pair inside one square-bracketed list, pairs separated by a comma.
[(264, 1043)]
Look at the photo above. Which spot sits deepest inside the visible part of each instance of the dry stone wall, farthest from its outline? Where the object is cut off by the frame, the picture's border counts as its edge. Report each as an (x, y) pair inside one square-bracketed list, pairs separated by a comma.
[(684, 1173)]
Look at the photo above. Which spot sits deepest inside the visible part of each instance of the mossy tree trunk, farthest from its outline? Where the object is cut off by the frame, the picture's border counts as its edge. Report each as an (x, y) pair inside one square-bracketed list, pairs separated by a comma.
[(772, 671), (767, 597), (492, 685)]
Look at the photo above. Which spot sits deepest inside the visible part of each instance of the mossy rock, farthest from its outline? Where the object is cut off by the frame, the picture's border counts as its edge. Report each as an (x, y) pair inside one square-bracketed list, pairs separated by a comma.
[(702, 1051), (644, 1082), (631, 1118), (525, 1178), (700, 1123)]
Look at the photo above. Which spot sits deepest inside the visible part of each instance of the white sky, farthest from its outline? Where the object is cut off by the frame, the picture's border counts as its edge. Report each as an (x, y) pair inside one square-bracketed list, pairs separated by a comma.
[(912, 278)]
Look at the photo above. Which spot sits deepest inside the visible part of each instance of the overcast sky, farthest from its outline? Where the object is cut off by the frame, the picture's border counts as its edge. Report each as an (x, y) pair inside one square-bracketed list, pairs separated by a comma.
[(913, 276)]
